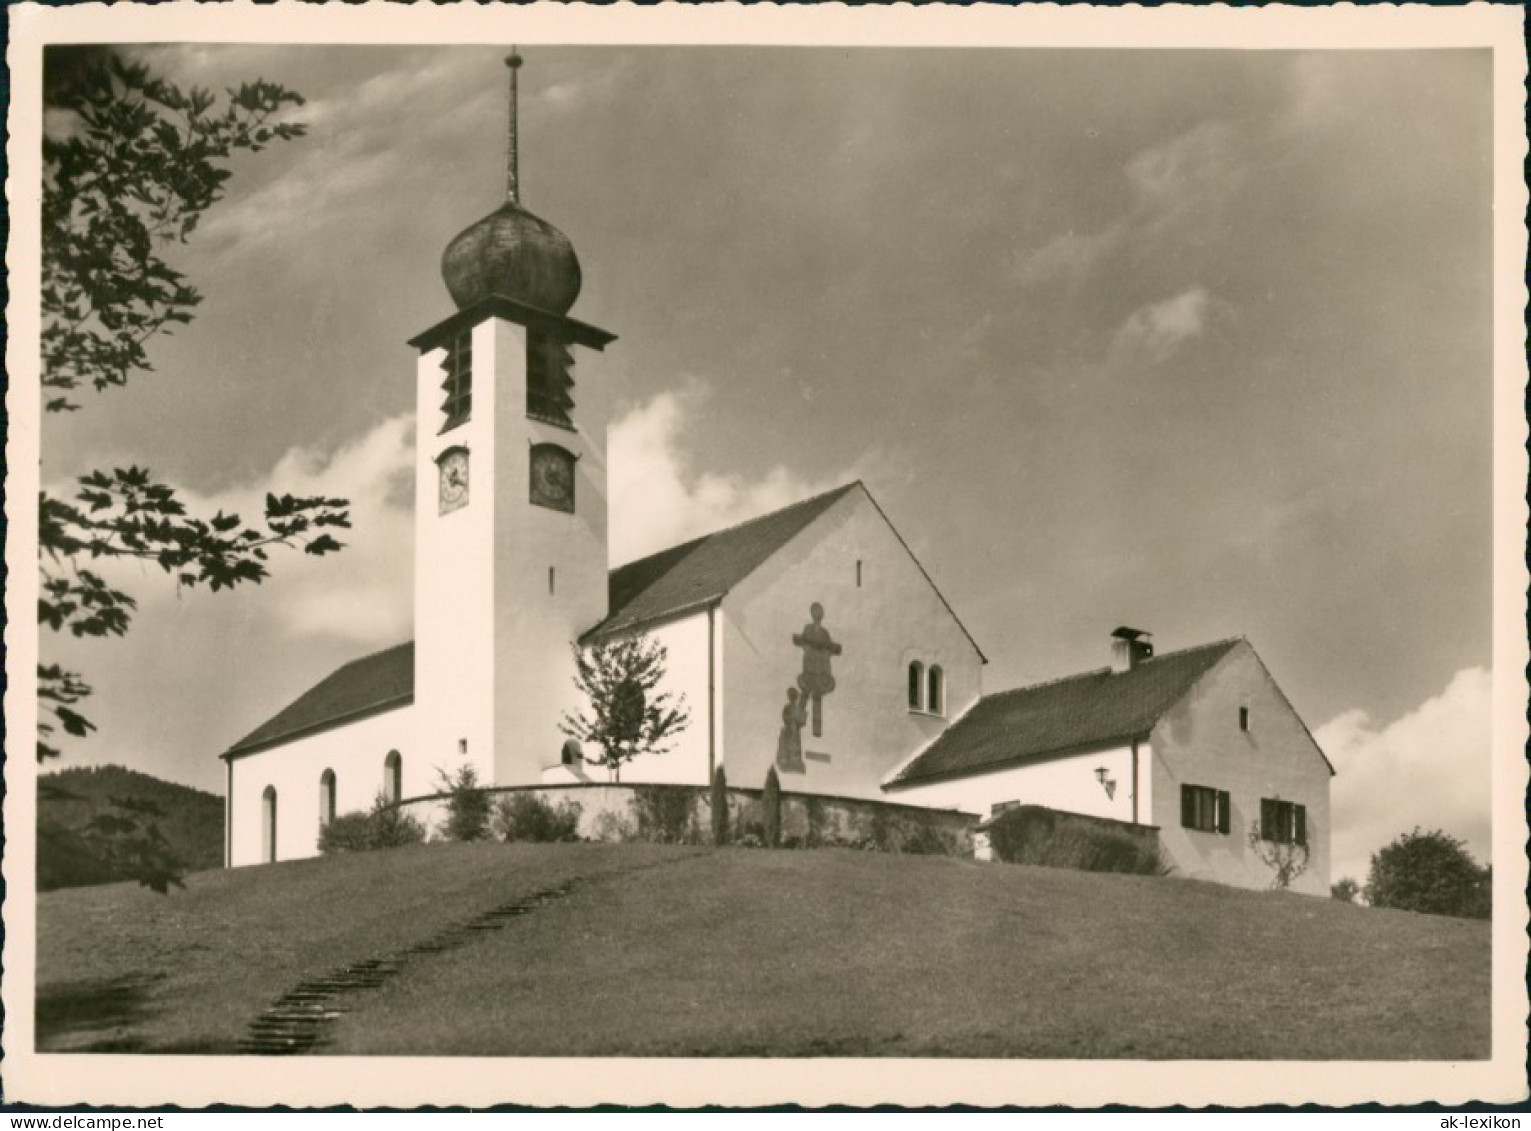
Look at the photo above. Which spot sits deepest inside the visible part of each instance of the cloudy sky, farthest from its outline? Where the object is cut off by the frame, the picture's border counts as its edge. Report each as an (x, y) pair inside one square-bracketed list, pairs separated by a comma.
[(1193, 341)]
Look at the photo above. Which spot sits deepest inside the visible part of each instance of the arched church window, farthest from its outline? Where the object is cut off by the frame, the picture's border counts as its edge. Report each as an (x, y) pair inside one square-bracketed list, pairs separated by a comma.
[(393, 777), (572, 753), (916, 685), (268, 825), (326, 797), (935, 698)]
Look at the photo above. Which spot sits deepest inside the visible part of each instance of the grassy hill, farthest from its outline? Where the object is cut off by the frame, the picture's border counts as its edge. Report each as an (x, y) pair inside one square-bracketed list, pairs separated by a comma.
[(660, 950), (190, 820)]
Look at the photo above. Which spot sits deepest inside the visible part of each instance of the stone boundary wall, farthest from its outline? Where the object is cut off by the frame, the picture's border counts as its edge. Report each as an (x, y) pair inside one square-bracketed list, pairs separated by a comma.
[(611, 811)]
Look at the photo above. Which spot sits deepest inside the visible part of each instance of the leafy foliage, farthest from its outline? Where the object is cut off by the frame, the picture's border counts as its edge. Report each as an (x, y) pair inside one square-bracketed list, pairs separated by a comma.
[(1345, 889), (718, 797), (467, 805), (1430, 872), (1033, 834), (628, 715), (386, 825), (771, 810), (526, 816), (130, 165), (1287, 859), (666, 814)]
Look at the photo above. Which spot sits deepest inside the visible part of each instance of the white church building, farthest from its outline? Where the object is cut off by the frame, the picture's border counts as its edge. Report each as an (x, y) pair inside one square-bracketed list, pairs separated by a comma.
[(809, 639)]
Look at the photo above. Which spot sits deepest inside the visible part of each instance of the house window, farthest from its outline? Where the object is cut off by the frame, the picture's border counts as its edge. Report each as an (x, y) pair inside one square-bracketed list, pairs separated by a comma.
[(1204, 809), (858, 573), (1282, 822), (935, 699), (457, 388), (1243, 718), (916, 685), (549, 388), (326, 797), (268, 825), (393, 777)]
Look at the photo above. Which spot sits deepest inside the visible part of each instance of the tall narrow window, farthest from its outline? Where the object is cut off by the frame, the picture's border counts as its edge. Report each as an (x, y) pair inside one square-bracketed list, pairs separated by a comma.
[(935, 698), (268, 825), (1243, 718), (457, 388), (858, 573), (326, 797), (393, 777), (916, 685), (549, 387), (552, 581)]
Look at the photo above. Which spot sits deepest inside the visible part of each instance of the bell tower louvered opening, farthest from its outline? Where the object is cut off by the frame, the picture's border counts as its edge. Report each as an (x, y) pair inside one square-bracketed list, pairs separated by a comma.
[(549, 380)]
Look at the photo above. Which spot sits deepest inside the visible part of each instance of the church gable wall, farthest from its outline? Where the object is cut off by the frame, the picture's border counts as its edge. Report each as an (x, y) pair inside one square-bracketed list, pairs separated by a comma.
[(355, 752), (1199, 742), (891, 618)]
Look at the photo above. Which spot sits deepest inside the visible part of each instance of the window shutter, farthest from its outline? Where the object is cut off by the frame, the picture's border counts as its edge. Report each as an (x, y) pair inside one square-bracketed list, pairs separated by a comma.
[(1223, 806), (1187, 807), (1267, 819), (1301, 814)]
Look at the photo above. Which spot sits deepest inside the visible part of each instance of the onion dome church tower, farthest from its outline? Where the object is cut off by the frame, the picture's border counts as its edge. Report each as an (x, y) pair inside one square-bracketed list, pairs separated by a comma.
[(510, 494)]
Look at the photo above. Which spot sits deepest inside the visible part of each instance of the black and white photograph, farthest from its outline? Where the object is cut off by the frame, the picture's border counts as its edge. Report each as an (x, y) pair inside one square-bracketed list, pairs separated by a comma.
[(753, 555)]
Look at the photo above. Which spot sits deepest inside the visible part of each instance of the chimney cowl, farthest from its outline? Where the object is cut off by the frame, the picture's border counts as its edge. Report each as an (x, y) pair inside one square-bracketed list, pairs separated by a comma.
[(1129, 647)]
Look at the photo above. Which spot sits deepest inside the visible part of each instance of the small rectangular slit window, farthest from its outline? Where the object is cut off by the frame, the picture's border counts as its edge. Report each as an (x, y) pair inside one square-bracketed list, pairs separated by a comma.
[(1243, 718), (858, 573), (550, 580)]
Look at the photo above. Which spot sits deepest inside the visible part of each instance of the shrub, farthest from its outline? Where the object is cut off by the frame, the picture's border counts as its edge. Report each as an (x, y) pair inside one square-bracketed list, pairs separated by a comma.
[(664, 814), (385, 826), (1345, 890), (467, 805), (613, 828), (771, 810), (719, 799), (530, 817), (1287, 859), (1031, 834), (921, 840), (1432, 873)]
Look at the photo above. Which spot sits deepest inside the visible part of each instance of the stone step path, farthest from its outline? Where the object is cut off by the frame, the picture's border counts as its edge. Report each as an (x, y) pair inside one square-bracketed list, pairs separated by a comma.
[(298, 1021)]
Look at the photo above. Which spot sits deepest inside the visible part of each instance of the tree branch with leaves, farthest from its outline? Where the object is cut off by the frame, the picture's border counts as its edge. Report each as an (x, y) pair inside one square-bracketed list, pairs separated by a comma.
[(627, 713), (130, 164)]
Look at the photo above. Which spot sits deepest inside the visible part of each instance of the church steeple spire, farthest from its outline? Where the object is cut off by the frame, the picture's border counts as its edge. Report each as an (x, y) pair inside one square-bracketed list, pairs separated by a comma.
[(512, 141), (511, 253)]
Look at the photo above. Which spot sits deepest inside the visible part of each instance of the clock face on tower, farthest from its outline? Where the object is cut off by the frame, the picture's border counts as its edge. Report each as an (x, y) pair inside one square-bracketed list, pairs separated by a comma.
[(452, 491), (552, 478)]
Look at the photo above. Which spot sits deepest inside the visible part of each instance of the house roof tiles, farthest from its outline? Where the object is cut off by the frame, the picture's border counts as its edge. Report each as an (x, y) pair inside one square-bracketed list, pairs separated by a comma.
[(1030, 724)]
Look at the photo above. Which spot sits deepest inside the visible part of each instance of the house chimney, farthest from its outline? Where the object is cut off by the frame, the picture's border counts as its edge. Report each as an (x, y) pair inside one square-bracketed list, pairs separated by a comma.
[(1129, 647)]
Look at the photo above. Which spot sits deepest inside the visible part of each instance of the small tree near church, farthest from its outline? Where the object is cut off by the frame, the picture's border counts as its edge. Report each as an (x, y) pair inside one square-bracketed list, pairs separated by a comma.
[(627, 715)]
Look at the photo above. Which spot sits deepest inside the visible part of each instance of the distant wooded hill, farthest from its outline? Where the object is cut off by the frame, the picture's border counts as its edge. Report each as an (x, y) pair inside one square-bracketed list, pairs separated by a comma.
[(71, 802)]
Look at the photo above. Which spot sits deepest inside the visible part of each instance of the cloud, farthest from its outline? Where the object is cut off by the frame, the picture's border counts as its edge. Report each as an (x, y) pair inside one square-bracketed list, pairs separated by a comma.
[(1429, 768), (351, 152), (1155, 331), (1068, 258), (658, 501), (362, 595), (1174, 180)]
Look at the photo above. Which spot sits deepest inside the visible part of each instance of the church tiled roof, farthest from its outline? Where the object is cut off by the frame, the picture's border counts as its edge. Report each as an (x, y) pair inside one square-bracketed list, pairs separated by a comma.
[(697, 573), (373, 683), (1031, 724)]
